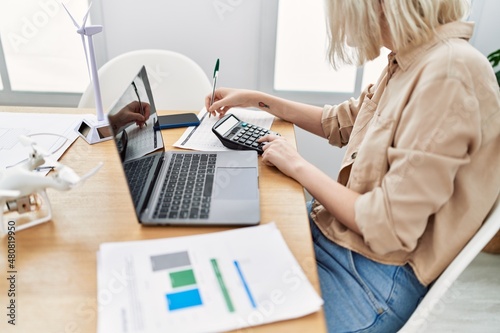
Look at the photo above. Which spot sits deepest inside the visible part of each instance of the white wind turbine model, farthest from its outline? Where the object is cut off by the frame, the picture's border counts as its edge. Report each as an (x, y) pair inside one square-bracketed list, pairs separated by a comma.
[(91, 131)]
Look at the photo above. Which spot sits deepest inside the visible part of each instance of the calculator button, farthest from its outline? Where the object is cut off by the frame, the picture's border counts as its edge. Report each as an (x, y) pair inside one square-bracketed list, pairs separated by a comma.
[(244, 124)]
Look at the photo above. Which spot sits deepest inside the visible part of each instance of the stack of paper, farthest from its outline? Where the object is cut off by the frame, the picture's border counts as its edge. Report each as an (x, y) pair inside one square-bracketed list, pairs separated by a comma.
[(204, 283)]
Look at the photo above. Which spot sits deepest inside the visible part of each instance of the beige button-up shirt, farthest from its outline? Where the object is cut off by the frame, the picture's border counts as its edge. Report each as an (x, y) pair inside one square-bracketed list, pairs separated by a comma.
[(424, 152)]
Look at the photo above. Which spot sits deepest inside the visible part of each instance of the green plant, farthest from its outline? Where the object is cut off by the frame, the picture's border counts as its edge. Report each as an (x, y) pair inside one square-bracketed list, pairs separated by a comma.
[(494, 58)]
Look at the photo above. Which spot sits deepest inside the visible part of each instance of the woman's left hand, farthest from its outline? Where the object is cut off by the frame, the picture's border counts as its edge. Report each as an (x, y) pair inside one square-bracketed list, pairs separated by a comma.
[(279, 153)]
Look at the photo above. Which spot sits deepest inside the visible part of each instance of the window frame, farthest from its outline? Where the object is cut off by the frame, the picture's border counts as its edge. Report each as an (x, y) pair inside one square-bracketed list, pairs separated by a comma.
[(269, 25), (48, 98)]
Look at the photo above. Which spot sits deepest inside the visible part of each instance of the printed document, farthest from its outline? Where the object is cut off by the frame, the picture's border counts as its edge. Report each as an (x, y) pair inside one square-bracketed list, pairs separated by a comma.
[(201, 137), (41, 127), (204, 283)]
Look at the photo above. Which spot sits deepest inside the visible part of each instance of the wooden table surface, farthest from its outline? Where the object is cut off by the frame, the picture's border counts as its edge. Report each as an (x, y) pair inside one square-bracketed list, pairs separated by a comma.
[(56, 288)]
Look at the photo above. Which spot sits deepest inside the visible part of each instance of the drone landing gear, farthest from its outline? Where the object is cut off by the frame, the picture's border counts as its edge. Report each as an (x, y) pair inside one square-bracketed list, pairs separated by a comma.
[(25, 212)]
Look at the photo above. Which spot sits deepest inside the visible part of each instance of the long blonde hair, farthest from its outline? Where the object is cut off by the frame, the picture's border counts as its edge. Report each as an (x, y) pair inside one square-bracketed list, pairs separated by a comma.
[(358, 22)]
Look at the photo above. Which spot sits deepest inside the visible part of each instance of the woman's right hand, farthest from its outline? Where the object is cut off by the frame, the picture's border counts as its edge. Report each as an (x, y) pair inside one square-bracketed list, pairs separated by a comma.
[(226, 98)]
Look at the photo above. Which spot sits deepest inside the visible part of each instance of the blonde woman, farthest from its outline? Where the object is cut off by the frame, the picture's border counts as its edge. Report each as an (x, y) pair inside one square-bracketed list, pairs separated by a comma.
[(421, 168)]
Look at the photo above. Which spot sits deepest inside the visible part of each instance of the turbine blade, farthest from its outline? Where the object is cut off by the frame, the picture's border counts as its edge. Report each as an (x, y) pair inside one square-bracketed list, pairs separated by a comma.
[(71, 16), (86, 16), (86, 55)]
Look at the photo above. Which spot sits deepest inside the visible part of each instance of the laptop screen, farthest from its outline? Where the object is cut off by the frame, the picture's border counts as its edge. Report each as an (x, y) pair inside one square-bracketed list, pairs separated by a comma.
[(134, 135)]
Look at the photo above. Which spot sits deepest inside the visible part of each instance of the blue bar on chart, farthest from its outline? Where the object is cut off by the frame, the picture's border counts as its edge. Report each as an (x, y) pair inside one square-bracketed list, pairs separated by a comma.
[(184, 299), (245, 284)]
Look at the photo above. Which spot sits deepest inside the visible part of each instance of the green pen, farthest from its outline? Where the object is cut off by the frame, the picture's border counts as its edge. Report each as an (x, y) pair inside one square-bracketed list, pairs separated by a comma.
[(214, 83)]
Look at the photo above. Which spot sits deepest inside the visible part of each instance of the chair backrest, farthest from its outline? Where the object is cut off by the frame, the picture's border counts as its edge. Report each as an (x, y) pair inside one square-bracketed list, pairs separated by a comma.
[(177, 82), (490, 227)]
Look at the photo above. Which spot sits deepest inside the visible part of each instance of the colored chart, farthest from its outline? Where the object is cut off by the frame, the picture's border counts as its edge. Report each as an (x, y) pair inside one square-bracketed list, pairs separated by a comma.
[(184, 290)]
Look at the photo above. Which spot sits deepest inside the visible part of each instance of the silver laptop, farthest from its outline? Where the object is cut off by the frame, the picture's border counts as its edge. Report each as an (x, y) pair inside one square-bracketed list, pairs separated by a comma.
[(181, 187)]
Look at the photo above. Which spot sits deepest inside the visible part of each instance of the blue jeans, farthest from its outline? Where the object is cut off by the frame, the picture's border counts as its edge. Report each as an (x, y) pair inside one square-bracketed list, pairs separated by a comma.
[(362, 295)]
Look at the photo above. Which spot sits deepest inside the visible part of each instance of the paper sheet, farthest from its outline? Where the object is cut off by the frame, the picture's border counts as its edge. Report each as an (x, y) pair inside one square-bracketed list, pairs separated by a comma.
[(202, 137), (12, 125), (204, 283)]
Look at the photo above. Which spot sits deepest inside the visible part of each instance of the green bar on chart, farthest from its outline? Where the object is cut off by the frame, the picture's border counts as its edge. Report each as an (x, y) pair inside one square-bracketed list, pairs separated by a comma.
[(182, 278), (222, 285)]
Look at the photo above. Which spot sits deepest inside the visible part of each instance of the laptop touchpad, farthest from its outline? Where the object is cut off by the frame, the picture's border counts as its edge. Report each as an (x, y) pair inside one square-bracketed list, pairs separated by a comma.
[(235, 183)]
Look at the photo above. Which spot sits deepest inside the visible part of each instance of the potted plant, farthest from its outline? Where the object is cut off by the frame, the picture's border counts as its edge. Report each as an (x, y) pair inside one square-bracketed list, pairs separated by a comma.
[(494, 245), (494, 58)]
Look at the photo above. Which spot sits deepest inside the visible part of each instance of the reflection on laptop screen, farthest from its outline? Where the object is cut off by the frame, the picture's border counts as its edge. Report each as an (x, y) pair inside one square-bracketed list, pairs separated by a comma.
[(134, 137)]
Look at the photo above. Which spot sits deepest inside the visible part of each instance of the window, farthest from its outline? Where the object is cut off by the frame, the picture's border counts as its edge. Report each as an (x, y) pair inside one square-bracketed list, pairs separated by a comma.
[(42, 60), (294, 66), (297, 43)]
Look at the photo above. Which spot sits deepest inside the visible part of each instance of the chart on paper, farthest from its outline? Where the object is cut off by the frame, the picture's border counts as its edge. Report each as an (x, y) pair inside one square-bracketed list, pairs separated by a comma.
[(203, 284), (175, 274), (183, 285)]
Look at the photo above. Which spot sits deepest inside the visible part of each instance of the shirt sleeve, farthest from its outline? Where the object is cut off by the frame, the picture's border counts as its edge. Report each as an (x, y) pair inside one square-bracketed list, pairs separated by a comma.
[(338, 120), (439, 129)]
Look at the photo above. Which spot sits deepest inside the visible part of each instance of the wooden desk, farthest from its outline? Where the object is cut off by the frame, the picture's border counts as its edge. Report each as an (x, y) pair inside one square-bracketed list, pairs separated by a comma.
[(56, 261)]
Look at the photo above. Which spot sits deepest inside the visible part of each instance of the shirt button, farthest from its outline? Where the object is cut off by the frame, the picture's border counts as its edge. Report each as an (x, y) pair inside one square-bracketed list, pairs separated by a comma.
[(353, 155)]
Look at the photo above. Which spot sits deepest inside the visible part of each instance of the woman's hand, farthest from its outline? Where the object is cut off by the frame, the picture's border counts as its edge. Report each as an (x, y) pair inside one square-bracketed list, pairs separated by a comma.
[(132, 112), (226, 98), (279, 153)]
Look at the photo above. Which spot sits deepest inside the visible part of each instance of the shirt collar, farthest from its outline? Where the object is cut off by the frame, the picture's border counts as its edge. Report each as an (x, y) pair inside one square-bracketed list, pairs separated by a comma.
[(446, 31)]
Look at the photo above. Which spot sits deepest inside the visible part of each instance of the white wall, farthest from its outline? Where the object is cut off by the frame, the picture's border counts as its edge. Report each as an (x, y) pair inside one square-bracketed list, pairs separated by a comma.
[(487, 32), (203, 30)]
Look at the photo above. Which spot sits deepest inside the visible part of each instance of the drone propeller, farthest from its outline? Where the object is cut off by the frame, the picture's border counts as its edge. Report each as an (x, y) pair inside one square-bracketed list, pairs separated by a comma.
[(71, 179), (90, 173), (40, 158), (67, 174), (27, 141), (8, 194)]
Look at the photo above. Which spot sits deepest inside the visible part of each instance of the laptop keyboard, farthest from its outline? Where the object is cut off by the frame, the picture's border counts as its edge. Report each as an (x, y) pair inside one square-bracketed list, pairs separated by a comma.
[(186, 193), (137, 171)]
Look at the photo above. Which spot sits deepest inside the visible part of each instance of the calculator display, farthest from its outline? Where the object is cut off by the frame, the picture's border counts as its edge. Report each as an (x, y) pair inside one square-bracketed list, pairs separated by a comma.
[(227, 125)]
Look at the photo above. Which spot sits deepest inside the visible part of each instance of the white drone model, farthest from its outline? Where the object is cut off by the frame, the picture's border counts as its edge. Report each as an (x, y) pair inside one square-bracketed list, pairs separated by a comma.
[(22, 187)]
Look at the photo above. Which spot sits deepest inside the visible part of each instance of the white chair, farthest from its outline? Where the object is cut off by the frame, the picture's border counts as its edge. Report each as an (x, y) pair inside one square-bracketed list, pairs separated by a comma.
[(177, 82), (419, 318)]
